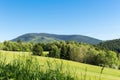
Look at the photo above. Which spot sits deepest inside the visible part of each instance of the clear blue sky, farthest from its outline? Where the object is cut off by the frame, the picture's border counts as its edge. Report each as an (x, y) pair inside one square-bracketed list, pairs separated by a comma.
[(95, 18)]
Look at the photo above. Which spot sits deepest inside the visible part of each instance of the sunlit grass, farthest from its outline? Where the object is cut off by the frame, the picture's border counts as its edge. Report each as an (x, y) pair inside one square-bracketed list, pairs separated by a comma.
[(26, 67), (76, 69)]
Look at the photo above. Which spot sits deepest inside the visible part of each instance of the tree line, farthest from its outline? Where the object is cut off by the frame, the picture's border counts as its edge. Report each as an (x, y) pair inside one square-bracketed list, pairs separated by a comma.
[(80, 52)]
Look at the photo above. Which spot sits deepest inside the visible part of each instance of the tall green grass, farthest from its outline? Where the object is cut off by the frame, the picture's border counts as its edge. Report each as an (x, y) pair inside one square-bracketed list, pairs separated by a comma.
[(29, 69), (51, 69)]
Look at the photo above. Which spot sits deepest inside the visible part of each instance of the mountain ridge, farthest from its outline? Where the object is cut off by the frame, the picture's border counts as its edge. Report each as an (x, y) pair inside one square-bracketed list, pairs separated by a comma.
[(46, 37)]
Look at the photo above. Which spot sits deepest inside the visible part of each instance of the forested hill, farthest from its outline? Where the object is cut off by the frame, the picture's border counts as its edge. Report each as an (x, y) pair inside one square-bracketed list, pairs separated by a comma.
[(45, 37), (113, 45)]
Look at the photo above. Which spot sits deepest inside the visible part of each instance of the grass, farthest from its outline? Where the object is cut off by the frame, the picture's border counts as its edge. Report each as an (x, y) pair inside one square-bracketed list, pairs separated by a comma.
[(79, 70), (26, 67)]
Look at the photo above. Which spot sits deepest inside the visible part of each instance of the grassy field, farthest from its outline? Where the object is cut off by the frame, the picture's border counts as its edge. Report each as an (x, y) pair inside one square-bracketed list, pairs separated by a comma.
[(79, 70)]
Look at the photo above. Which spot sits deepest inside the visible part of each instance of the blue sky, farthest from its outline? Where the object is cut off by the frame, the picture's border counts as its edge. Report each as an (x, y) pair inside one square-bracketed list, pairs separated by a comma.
[(95, 18)]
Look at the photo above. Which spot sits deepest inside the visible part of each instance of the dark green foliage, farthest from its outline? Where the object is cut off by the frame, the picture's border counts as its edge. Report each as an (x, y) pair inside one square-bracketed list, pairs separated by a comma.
[(1, 46), (64, 52), (113, 45), (37, 49), (44, 37), (54, 51)]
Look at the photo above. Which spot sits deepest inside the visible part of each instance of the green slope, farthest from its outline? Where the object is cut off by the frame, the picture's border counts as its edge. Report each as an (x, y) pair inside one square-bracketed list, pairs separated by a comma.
[(45, 37), (75, 68), (113, 45)]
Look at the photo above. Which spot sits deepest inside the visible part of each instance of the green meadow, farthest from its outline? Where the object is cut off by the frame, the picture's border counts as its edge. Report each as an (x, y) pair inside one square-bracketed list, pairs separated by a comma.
[(78, 71)]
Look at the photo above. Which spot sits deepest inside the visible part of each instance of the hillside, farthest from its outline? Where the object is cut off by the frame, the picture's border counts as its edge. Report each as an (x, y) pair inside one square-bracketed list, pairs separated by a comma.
[(45, 37), (82, 71), (113, 45)]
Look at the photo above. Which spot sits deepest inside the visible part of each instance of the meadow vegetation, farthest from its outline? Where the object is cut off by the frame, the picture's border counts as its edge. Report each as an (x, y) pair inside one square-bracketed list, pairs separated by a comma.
[(28, 68), (24, 66)]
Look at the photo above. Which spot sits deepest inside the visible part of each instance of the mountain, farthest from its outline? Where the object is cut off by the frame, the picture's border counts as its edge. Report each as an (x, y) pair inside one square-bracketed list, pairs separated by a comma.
[(45, 37)]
